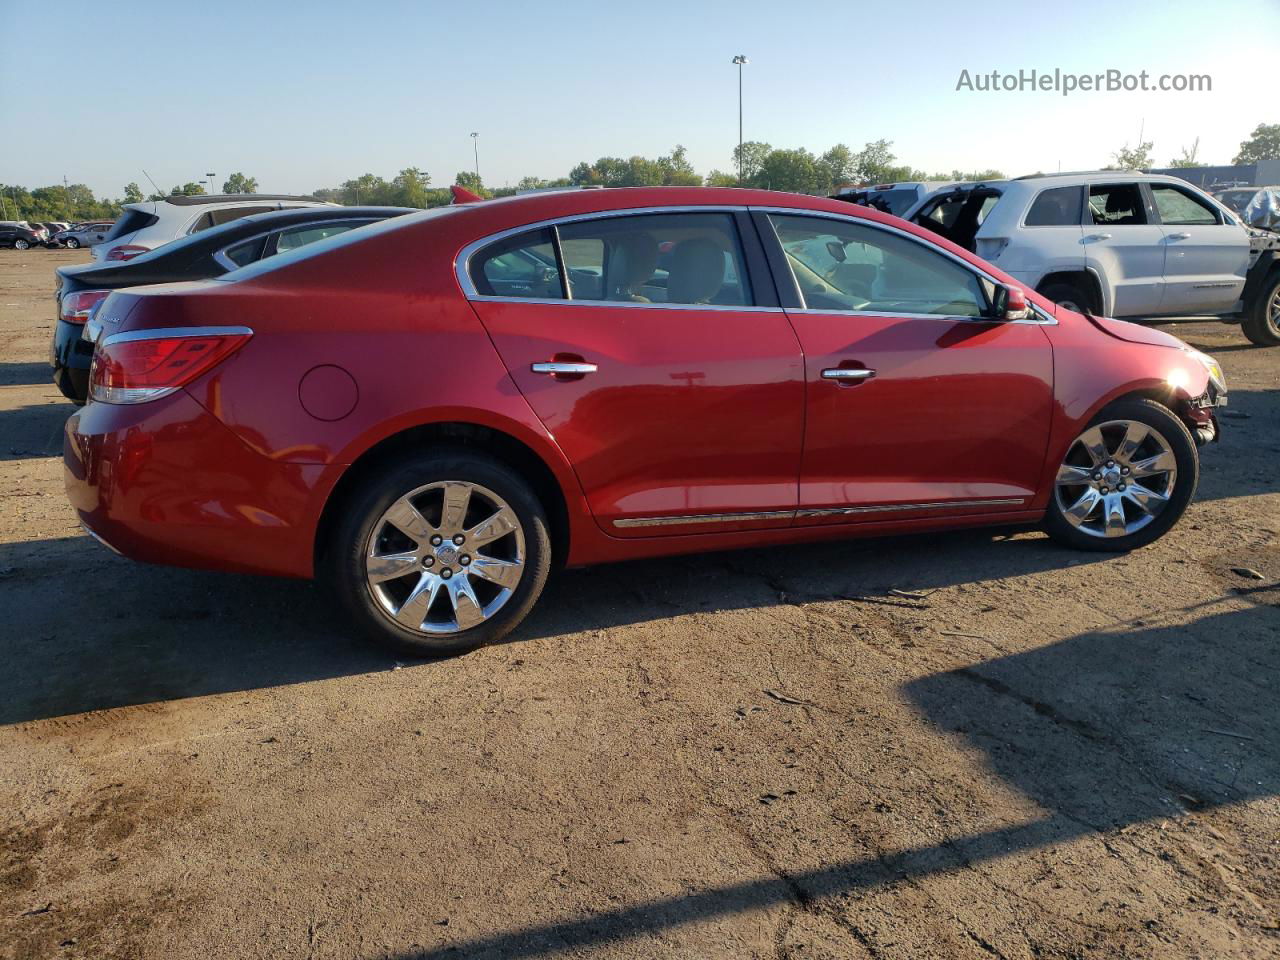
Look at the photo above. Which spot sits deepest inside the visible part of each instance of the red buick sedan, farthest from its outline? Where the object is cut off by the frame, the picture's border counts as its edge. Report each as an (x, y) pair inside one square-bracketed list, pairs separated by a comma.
[(431, 412)]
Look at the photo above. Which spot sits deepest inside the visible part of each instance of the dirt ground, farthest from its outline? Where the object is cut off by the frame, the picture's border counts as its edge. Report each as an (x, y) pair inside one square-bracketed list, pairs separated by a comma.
[(964, 746)]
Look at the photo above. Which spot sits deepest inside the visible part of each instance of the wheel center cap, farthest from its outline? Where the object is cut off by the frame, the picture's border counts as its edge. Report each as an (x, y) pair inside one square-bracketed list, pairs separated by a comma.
[(1111, 477), (446, 553)]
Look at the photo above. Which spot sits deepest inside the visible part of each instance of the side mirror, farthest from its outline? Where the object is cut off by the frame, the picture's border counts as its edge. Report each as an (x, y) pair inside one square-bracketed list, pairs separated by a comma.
[(1010, 304)]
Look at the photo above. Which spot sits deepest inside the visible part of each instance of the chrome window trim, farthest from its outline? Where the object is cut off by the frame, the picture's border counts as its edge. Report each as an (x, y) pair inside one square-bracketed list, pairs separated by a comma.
[(805, 512), (462, 263), (159, 333), (220, 256), (1046, 319)]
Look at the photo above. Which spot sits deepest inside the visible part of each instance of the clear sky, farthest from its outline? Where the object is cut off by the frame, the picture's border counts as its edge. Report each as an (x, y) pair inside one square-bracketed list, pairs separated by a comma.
[(304, 95)]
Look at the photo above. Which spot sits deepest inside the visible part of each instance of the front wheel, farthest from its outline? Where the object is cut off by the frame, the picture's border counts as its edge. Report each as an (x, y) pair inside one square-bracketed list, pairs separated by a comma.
[(1262, 322), (21, 244), (1125, 480), (73, 243), (440, 553)]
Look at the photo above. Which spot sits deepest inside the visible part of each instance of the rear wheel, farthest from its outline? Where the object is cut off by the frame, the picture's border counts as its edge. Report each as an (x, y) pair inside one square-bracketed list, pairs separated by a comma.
[(1073, 296), (439, 554), (73, 243), (1262, 323), (1125, 480), (21, 244)]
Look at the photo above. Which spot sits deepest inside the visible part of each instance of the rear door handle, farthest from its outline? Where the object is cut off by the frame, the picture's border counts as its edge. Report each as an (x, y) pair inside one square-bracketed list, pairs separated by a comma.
[(848, 374), (564, 368), (1179, 236), (1098, 236)]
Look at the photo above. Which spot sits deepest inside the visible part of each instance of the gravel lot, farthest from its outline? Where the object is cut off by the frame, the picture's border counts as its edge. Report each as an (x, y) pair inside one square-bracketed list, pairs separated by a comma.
[(964, 746)]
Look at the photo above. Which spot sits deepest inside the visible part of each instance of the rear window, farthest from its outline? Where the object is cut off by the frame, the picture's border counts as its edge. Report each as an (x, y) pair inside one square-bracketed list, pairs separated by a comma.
[(896, 202), (131, 221), (1058, 207)]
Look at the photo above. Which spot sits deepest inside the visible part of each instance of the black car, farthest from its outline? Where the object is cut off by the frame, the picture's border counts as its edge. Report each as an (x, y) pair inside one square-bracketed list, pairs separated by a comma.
[(209, 253), (17, 236)]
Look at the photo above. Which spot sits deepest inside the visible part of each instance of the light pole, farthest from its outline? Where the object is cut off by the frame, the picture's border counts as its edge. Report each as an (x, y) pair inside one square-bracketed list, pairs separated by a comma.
[(210, 176), (475, 145), (741, 61)]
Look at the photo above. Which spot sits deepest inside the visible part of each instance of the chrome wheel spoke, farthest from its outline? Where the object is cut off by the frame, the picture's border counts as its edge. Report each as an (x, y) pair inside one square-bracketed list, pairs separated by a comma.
[(1133, 438), (1145, 499), (391, 566), (1113, 507), (457, 497), (467, 611), (505, 573), (1071, 476), (1095, 445), (404, 516), (1162, 462), (492, 527), (1078, 512), (413, 612)]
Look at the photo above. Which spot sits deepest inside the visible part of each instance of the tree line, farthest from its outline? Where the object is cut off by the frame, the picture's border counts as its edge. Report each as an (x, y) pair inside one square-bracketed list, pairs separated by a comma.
[(756, 164)]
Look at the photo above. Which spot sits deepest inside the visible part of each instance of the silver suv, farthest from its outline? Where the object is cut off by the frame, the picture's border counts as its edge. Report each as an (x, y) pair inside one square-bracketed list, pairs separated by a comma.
[(153, 223), (1112, 242)]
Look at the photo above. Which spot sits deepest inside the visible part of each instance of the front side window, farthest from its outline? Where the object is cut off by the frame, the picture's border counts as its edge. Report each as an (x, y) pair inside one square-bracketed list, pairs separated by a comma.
[(243, 254), (677, 258), (850, 267), (1117, 204), (1179, 208), (300, 236), (1057, 207)]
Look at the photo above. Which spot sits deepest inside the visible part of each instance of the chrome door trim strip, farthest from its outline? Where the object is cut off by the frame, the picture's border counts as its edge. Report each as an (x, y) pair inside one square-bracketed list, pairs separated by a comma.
[(893, 507), (669, 520)]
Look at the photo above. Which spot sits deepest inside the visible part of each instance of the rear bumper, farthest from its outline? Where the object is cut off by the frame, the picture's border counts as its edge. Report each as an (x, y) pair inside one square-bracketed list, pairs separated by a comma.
[(70, 357), (166, 482)]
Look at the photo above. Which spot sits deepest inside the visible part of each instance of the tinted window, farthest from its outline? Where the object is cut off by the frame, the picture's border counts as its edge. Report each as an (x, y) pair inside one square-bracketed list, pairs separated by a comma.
[(301, 236), (519, 266), (1059, 207), (686, 258), (1117, 204), (1178, 207), (130, 221), (847, 266), (243, 254)]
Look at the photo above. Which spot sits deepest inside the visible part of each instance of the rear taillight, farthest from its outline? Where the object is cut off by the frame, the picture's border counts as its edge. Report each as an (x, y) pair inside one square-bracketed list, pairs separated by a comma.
[(79, 307), (126, 251), (144, 365)]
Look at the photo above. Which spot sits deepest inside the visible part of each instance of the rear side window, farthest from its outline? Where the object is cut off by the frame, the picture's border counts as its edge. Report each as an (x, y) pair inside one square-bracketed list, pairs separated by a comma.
[(1180, 208), (243, 254), (1058, 207), (301, 236), (131, 221), (1117, 204), (678, 258)]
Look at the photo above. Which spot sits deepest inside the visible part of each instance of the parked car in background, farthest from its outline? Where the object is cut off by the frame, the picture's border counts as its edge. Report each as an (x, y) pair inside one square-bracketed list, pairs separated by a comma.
[(81, 288), (1116, 243), (86, 234), (19, 234), (1256, 206), (150, 224), (397, 413), (895, 198)]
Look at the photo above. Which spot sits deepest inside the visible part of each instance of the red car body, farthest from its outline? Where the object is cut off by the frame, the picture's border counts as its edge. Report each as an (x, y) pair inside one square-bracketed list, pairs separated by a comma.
[(703, 429)]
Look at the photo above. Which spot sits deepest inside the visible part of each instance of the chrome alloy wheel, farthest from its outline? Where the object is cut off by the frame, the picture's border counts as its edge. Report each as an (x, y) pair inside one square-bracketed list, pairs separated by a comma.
[(445, 557), (1273, 309), (1116, 478)]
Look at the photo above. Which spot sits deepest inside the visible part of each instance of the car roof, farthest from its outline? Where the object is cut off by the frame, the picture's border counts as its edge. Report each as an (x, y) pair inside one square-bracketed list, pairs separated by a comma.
[(202, 198)]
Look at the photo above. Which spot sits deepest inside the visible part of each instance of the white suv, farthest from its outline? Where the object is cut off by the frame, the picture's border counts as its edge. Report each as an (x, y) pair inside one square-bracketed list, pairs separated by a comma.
[(1114, 242), (145, 226)]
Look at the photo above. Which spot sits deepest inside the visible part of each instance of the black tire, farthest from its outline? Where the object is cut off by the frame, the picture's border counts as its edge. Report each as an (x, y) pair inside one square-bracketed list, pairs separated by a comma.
[(73, 243), (342, 566), (1261, 323), (1073, 296), (1174, 431), (21, 244)]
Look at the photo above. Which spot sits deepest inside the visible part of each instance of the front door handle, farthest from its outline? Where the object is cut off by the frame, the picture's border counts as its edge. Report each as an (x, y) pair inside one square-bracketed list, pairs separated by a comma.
[(1179, 236), (1098, 236), (564, 368), (848, 374)]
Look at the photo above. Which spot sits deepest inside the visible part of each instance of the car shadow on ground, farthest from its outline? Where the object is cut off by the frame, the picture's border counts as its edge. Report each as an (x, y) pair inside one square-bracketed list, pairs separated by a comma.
[(1101, 731), (25, 374), (34, 430), (119, 633)]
